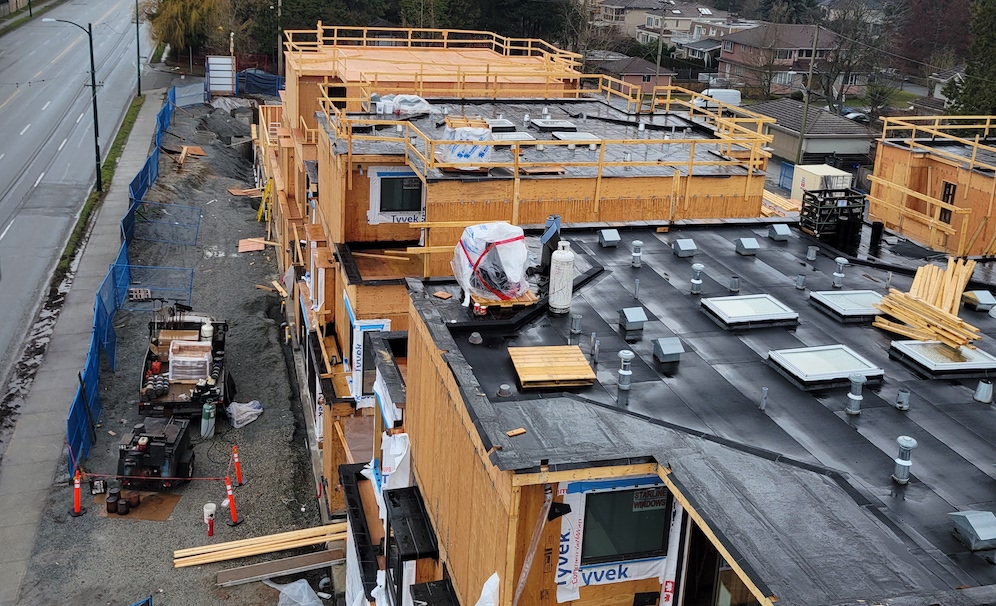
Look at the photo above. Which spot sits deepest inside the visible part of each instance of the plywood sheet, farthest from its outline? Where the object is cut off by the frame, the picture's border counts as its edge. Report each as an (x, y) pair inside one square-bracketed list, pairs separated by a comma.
[(556, 366)]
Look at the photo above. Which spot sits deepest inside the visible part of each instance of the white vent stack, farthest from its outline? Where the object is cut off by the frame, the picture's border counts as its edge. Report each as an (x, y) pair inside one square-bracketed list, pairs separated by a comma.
[(625, 376), (637, 260), (764, 399), (561, 278), (697, 269), (854, 397), (984, 392), (811, 253), (734, 284), (636, 289), (838, 276), (901, 474), (800, 281), (576, 324)]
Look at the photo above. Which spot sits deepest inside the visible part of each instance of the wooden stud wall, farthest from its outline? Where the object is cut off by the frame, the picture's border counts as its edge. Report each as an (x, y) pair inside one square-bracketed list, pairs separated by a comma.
[(467, 497)]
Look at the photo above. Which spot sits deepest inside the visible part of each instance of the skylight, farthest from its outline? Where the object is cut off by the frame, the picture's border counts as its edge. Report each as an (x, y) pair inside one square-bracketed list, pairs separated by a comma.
[(939, 361), (750, 311), (847, 305), (822, 367)]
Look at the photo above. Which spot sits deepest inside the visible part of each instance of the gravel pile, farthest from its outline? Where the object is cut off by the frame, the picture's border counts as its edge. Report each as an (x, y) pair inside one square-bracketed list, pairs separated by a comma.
[(119, 560)]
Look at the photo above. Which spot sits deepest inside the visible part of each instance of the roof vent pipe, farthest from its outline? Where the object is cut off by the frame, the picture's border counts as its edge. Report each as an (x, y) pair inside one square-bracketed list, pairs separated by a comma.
[(800, 281), (561, 278), (525, 118), (811, 253), (903, 399), (594, 352), (854, 397), (764, 398), (576, 324), (838, 276), (901, 474), (636, 289), (625, 376), (734, 284), (984, 392), (504, 390), (697, 269), (637, 260), (591, 343), (475, 338)]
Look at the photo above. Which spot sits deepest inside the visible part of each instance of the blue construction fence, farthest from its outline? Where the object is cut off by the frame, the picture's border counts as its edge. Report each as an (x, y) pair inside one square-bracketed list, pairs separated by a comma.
[(785, 175), (144, 220)]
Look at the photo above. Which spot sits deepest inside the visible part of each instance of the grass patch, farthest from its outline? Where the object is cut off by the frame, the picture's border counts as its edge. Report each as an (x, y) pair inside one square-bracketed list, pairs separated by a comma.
[(95, 199), (157, 55), (13, 21)]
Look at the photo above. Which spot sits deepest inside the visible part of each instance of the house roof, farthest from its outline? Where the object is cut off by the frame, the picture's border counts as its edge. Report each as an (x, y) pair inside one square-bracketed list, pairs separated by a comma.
[(800, 492), (932, 103), (683, 10), (945, 75), (631, 66), (788, 115), (709, 44), (782, 36)]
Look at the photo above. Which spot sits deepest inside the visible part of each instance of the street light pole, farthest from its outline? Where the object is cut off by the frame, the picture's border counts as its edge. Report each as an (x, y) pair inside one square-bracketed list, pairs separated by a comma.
[(660, 48), (93, 89), (138, 49), (805, 107)]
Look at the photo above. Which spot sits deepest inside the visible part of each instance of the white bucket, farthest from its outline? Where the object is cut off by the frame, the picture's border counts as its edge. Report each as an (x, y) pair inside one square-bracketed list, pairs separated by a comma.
[(209, 509)]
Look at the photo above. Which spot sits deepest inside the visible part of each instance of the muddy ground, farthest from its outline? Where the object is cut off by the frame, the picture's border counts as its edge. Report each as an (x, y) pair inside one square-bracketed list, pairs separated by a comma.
[(118, 559)]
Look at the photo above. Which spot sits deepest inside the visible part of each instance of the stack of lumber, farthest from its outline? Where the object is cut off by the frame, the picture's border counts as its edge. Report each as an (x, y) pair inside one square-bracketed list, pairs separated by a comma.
[(943, 287), (929, 312), (219, 552), (779, 205)]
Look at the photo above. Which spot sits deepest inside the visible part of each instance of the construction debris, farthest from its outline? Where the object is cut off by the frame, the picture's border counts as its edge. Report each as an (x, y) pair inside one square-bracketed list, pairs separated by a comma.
[(220, 552), (252, 193), (929, 311), (251, 245)]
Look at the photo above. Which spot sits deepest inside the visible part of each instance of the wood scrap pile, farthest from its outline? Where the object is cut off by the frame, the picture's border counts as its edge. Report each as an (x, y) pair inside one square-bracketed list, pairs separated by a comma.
[(220, 552), (929, 311)]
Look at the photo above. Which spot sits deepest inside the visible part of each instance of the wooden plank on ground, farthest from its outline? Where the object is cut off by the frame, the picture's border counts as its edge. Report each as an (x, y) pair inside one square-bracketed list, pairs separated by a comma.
[(276, 568), (525, 300), (554, 366), (280, 289), (250, 245)]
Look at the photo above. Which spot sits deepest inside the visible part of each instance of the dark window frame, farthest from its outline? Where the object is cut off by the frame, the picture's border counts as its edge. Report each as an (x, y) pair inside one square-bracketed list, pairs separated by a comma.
[(388, 205), (652, 553)]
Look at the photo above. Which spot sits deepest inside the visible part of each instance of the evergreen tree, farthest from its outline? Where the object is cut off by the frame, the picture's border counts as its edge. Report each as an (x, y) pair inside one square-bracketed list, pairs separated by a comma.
[(787, 11), (976, 94)]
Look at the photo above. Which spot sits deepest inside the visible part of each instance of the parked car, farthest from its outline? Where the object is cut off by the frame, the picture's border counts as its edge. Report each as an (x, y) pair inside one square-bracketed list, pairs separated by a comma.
[(852, 114)]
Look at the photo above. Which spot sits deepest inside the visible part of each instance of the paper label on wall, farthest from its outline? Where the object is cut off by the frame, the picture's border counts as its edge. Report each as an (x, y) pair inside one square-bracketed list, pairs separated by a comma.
[(671, 564), (571, 576)]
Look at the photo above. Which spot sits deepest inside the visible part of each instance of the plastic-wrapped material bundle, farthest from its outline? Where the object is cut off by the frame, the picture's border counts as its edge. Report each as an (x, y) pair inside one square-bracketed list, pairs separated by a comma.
[(465, 146), (401, 104), (490, 262)]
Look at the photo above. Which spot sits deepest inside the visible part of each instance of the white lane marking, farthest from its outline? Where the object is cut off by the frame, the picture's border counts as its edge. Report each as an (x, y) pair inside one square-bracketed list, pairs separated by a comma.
[(25, 129), (44, 107), (80, 118), (63, 144), (31, 53), (38, 180), (7, 229), (2, 155)]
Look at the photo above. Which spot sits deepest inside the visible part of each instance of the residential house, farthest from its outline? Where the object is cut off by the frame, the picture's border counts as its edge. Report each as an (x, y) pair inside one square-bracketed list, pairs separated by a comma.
[(636, 71), (676, 19), (872, 11), (934, 185), (705, 50), (936, 101), (773, 57), (627, 15), (466, 461), (827, 134)]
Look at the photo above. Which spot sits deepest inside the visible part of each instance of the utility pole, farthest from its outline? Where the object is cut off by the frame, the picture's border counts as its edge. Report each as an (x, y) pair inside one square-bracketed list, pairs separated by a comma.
[(660, 46), (138, 49), (805, 106), (280, 40)]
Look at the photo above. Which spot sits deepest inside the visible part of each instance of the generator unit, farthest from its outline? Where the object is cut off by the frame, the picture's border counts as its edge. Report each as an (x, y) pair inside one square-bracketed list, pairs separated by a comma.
[(157, 454)]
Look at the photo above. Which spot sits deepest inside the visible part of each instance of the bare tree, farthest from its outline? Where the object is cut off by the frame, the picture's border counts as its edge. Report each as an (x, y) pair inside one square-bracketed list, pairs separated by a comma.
[(855, 32), (583, 32), (762, 59)]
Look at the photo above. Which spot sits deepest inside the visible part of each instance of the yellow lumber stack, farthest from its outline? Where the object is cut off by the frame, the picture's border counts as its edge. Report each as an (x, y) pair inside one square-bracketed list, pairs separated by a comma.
[(779, 205), (219, 552), (929, 312)]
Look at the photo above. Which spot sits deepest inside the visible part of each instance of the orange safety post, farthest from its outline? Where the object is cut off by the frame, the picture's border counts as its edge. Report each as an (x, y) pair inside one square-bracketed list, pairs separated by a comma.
[(238, 466), (236, 520), (77, 509)]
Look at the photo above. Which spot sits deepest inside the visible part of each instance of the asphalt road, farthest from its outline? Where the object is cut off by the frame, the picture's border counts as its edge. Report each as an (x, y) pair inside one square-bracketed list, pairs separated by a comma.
[(47, 158)]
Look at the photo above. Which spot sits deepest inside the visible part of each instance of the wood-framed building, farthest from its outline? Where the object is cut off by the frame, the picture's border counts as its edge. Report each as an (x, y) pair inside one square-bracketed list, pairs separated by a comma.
[(935, 182)]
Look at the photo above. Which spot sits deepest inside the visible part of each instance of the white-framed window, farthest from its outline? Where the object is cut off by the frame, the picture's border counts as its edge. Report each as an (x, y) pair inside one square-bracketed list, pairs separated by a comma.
[(647, 78), (852, 79), (396, 195), (712, 31), (728, 46), (738, 70), (650, 21), (783, 53), (698, 31), (782, 78), (744, 48), (805, 53)]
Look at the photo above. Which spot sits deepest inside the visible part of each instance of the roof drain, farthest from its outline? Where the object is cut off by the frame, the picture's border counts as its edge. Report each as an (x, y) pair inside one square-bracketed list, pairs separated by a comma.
[(534, 542), (901, 474)]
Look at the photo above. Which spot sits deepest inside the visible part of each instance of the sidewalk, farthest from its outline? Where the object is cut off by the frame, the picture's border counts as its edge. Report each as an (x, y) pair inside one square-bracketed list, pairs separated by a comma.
[(35, 454)]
